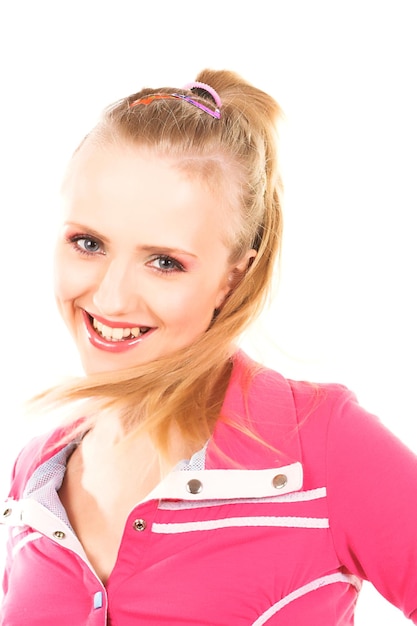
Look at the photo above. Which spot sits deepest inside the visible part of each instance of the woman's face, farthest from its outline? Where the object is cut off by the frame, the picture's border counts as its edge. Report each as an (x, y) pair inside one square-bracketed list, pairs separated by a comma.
[(141, 262)]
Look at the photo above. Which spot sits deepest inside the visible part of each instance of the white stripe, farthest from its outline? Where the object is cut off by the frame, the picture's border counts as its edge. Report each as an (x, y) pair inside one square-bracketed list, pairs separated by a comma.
[(304, 496), (299, 496), (302, 591), (231, 522), (19, 545), (18, 530)]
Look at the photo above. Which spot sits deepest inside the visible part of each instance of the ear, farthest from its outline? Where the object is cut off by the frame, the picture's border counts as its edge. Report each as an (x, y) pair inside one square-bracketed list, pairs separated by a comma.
[(235, 275), (240, 269)]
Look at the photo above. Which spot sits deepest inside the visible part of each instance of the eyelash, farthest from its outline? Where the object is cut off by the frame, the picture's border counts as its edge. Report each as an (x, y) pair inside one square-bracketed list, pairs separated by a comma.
[(177, 266), (75, 239)]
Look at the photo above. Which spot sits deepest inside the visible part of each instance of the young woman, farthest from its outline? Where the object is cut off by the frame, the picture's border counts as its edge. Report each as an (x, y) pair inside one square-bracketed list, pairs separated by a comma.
[(192, 485)]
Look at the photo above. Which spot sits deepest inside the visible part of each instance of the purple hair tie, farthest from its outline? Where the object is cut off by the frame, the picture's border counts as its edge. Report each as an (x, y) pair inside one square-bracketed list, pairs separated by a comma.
[(196, 85), (210, 90)]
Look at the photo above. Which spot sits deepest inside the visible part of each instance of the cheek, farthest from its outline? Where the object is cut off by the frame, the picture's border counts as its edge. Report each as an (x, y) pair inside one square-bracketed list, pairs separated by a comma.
[(63, 279), (59, 272), (69, 278), (191, 308)]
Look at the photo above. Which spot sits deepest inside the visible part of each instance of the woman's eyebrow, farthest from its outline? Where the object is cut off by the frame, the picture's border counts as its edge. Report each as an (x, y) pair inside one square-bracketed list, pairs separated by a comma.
[(87, 230), (166, 249)]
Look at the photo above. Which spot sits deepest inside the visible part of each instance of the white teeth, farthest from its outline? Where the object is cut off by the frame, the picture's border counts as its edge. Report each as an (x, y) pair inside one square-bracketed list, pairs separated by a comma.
[(118, 334), (106, 331)]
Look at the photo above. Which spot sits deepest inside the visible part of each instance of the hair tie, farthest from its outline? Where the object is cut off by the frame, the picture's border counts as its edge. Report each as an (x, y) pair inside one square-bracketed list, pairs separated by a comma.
[(213, 93), (196, 85)]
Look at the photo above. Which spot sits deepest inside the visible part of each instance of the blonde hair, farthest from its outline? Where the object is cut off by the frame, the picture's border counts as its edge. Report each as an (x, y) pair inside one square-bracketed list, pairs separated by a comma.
[(238, 155)]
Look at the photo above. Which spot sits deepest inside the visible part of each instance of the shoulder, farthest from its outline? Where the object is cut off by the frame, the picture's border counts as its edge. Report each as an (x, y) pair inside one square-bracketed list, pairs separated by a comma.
[(266, 413), (326, 417), (38, 450), (265, 387)]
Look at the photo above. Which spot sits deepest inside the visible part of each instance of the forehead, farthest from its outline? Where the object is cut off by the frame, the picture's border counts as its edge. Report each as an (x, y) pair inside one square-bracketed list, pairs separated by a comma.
[(124, 187), (187, 186), (125, 160)]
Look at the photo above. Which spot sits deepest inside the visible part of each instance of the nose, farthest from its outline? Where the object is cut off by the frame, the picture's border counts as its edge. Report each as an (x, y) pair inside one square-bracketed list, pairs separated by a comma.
[(115, 292)]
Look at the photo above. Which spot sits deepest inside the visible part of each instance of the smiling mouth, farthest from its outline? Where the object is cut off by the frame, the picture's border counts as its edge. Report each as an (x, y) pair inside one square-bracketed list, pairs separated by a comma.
[(117, 334)]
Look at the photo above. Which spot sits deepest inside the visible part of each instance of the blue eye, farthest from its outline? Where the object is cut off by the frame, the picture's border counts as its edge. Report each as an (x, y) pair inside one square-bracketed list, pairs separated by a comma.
[(86, 245), (167, 264)]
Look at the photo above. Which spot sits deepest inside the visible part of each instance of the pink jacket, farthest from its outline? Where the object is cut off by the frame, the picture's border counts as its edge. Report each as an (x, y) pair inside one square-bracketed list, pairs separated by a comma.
[(242, 534)]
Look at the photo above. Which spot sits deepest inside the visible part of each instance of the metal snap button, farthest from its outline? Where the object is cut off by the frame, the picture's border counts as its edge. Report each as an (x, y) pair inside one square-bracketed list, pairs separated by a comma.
[(139, 525), (58, 534), (7, 512), (279, 481), (194, 486)]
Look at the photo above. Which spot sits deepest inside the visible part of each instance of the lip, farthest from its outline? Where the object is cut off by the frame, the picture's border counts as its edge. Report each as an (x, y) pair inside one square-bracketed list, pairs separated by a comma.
[(111, 346), (111, 323)]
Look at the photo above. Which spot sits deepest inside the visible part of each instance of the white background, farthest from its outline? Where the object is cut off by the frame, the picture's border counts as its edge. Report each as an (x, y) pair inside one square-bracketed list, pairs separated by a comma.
[(345, 74)]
